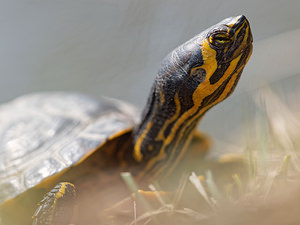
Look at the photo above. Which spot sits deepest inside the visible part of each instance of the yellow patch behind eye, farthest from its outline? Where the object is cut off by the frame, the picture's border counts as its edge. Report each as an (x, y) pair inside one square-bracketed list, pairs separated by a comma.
[(208, 55)]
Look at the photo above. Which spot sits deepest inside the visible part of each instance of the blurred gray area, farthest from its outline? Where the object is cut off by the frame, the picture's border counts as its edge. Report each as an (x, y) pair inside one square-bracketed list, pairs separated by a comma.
[(114, 47)]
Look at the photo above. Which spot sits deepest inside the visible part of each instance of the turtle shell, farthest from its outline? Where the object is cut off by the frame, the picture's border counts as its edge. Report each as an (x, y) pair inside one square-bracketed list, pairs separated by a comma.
[(46, 133)]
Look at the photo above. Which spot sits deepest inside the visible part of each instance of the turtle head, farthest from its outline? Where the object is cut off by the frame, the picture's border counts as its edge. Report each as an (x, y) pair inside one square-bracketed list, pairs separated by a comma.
[(194, 77)]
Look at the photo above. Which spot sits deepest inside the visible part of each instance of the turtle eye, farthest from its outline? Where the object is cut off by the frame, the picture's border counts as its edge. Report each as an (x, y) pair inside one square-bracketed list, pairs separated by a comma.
[(220, 39)]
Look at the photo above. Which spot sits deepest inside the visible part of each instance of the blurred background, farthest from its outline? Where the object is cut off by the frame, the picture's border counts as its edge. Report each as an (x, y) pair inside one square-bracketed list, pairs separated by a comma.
[(114, 48)]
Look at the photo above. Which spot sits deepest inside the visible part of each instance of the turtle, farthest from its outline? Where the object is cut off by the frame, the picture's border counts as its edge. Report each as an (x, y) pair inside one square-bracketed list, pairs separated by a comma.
[(60, 136)]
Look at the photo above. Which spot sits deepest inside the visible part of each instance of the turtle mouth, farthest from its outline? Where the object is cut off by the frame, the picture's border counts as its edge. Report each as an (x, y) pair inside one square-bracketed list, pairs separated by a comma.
[(248, 48), (244, 53)]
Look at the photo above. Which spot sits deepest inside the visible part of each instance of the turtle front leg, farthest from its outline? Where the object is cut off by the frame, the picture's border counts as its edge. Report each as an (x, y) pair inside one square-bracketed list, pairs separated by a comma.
[(57, 206), (200, 144)]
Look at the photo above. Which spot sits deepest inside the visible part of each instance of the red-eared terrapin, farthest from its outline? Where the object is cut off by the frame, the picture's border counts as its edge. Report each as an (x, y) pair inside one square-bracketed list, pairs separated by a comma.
[(45, 136)]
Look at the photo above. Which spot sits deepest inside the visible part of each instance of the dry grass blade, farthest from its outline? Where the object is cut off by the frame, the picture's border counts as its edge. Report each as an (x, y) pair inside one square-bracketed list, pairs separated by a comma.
[(283, 172), (147, 217), (213, 188), (238, 182), (196, 182), (134, 189), (158, 196), (180, 189)]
